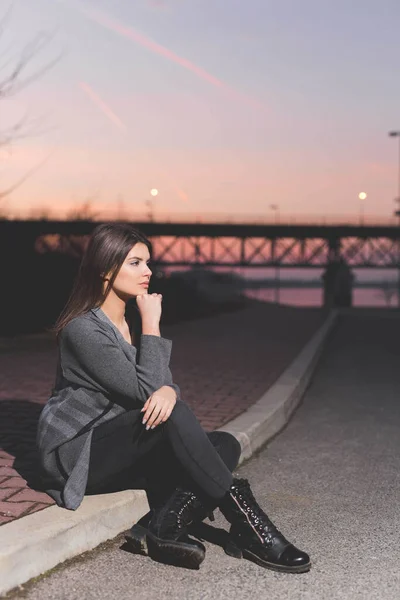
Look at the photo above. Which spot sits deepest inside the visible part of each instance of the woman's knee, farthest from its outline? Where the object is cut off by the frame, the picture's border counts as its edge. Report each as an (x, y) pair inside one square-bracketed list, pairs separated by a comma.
[(225, 438), (181, 410), (227, 445), (235, 445)]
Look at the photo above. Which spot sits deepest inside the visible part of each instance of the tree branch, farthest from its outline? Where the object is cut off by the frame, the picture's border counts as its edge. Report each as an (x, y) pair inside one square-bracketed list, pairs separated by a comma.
[(13, 81)]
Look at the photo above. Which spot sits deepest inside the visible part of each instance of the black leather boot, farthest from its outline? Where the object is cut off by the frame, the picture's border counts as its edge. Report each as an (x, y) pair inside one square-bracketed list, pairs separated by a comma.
[(254, 536), (136, 536), (162, 534)]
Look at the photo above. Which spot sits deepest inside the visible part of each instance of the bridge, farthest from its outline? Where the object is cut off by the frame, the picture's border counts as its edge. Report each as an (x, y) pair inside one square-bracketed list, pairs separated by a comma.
[(226, 244)]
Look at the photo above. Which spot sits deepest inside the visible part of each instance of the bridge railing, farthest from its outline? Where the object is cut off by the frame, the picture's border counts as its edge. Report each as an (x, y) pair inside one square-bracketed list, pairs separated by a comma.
[(268, 219), (241, 218)]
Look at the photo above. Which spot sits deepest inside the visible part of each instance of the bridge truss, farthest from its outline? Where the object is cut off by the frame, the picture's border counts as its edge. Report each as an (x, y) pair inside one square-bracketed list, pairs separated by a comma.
[(234, 245), (281, 251)]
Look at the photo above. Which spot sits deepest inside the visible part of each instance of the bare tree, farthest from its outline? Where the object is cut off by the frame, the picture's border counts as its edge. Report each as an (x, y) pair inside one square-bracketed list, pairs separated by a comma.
[(40, 213), (84, 212), (14, 77)]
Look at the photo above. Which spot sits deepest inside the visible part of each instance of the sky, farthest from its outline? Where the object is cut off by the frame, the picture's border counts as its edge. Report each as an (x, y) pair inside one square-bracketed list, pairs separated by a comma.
[(225, 107)]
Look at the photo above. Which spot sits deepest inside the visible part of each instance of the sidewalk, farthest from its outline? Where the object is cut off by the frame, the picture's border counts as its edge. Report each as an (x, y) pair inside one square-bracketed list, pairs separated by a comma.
[(223, 364), (274, 349)]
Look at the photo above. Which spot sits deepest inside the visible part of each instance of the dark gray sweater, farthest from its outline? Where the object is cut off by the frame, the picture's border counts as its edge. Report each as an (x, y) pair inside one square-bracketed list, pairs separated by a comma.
[(99, 376)]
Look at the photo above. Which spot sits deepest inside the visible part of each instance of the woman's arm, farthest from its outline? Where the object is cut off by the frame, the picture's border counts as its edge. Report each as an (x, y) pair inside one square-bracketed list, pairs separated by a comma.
[(146, 348), (90, 350), (175, 387)]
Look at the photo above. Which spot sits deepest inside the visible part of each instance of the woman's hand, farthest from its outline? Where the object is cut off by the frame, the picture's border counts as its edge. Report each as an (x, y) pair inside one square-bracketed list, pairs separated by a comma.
[(149, 306), (159, 406)]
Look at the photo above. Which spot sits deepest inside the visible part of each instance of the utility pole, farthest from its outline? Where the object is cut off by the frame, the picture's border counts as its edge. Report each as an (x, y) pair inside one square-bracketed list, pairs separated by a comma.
[(397, 214)]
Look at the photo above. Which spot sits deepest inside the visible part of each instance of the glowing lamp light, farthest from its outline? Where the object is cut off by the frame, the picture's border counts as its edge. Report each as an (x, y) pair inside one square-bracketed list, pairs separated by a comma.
[(154, 192), (362, 195)]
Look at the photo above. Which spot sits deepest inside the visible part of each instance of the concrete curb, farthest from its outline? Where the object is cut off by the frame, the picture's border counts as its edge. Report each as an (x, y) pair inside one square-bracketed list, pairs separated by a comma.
[(264, 419), (34, 544)]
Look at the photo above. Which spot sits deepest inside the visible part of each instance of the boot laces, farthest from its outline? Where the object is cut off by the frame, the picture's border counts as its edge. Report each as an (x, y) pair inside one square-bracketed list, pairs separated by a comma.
[(261, 521), (180, 516)]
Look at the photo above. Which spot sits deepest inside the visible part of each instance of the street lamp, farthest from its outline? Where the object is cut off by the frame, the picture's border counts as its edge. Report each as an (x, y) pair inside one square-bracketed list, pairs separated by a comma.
[(397, 214), (275, 208), (149, 203), (362, 196)]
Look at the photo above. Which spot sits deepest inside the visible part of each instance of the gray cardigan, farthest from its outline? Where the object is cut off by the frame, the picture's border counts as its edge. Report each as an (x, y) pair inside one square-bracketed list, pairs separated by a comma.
[(99, 376)]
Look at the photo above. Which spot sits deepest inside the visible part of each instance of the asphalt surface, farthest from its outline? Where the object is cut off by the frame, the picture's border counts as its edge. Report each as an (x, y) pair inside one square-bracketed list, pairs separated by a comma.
[(330, 481)]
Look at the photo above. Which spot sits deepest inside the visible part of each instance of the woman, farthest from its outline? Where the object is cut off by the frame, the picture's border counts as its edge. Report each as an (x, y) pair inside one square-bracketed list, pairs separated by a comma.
[(116, 417)]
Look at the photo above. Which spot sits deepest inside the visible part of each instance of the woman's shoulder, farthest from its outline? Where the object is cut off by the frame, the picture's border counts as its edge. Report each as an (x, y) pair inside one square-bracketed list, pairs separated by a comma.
[(83, 325)]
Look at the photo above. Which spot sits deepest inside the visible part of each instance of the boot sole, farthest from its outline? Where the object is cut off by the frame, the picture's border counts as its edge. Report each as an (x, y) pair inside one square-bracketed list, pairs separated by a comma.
[(174, 553), (236, 552), (282, 568), (136, 539), (142, 542)]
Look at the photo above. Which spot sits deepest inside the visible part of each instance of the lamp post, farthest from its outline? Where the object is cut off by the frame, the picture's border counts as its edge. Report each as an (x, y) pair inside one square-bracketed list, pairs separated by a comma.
[(149, 204), (362, 196), (397, 214), (397, 199), (275, 208)]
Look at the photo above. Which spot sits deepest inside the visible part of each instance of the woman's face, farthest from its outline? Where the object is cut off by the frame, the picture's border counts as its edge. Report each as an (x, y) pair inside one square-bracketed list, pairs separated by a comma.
[(134, 275)]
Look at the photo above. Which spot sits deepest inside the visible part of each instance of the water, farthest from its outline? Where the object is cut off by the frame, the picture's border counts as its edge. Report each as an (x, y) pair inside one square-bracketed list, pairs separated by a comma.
[(313, 297), (303, 296)]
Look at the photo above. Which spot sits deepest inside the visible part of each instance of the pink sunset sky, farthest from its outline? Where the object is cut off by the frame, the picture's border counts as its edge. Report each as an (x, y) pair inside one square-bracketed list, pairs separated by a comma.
[(224, 107)]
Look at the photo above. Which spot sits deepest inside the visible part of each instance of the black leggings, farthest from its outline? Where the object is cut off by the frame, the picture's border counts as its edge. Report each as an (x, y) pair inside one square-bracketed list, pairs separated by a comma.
[(179, 451)]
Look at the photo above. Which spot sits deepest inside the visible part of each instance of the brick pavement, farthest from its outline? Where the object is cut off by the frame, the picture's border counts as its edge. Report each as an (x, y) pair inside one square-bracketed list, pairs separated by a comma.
[(223, 364)]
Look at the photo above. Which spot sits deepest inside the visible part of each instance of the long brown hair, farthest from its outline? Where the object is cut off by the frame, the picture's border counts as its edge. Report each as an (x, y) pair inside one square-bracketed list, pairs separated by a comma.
[(108, 246)]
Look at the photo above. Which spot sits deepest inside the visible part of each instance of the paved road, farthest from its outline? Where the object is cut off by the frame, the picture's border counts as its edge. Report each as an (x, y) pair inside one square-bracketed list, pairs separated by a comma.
[(330, 481)]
